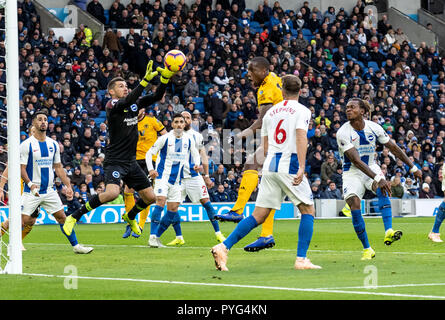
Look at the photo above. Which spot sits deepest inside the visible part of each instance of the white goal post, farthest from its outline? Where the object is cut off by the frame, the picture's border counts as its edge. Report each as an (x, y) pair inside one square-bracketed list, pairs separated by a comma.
[(14, 252)]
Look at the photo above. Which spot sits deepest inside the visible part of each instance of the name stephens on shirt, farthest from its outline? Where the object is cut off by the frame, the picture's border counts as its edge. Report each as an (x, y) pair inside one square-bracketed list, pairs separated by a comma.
[(282, 109)]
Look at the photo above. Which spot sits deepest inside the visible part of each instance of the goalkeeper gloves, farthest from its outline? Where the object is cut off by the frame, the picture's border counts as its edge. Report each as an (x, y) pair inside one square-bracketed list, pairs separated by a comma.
[(148, 74), (165, 74)]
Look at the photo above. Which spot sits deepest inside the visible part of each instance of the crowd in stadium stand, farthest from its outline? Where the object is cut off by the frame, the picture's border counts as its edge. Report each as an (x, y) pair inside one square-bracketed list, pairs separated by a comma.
[(337, 54)]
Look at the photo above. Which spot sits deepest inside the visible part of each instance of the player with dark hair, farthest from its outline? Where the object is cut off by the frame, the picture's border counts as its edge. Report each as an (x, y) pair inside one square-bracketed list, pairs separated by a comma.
[(269, 93), (175, 149), (120, 154), (39, 160), (356, 141), (283, 174)]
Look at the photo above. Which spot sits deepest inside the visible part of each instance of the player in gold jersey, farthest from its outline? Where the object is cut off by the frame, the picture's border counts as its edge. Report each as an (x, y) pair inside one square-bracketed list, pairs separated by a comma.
[(148, 128), (269, 93)]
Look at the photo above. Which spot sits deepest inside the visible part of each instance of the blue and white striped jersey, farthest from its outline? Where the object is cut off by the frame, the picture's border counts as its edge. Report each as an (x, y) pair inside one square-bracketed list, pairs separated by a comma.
[(280, 124), (39, 158), (172, 153), (364, 141), (188, 170)]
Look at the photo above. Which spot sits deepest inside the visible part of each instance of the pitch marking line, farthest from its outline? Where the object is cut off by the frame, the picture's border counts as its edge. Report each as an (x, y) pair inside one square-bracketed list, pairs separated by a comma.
[(241, 286), (389, 286), (275, 249)]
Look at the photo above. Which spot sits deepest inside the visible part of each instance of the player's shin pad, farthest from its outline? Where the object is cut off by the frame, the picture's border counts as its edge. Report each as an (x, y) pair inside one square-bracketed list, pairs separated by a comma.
[(248, 184)]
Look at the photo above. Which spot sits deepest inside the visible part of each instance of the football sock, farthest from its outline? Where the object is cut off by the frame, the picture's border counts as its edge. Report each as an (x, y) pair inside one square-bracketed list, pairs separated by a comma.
[(129, 201), (155, 218), (143, 217), (248, 184), (439, 217), (359, 227), (211, 214), (176, 222), (25, 230), (138, 207), (71, 238), (92, 204), (385, 209), (267, 228), (164, 223), (305, 232), (242, 229)]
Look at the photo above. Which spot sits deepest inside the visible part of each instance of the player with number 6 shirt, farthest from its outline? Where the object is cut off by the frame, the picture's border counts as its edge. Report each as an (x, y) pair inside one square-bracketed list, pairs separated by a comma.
[(283, 174), (269, 93)]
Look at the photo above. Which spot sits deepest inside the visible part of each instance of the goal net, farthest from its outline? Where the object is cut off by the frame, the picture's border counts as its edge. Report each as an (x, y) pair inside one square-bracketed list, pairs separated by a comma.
[(10, 212)]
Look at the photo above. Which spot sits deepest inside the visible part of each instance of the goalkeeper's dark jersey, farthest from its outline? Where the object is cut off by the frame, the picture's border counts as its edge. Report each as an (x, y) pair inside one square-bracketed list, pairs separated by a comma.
[(122, 117)]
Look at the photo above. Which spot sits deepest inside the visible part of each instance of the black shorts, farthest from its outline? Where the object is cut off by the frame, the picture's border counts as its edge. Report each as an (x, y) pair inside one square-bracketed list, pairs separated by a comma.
[(130, 173), (143, 166)]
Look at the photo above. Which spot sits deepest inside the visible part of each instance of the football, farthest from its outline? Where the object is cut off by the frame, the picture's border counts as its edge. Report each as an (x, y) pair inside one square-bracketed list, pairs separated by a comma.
[(175, 60)]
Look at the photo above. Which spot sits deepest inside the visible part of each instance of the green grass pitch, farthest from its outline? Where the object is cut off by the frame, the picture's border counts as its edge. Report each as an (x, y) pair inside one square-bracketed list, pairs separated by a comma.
[(411, 268)]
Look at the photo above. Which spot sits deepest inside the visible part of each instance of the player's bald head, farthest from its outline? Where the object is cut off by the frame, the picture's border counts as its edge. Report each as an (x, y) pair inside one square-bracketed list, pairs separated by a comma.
[(259, 63)]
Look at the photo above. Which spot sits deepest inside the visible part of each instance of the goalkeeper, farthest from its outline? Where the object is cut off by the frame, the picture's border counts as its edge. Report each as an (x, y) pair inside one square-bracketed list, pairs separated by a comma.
[(120, 155)]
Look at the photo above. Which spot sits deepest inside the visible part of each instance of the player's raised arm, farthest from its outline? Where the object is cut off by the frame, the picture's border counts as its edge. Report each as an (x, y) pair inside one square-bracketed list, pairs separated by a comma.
[(395, 150), (118, 90), (153, 97)]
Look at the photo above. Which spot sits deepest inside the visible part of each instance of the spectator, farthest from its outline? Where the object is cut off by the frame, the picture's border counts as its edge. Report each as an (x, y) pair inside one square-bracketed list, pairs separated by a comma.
[(191, 89), (397, 190), (241, 123), (331, 192), (316, 192), (220, 195), (77, 178), (219, 175), (411, 190), (85, 167), (96, 9), (328, 168), (426, 192)]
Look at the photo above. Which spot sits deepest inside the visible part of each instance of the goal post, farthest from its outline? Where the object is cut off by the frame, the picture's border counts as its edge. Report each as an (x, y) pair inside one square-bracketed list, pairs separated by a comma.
[(14, 251)]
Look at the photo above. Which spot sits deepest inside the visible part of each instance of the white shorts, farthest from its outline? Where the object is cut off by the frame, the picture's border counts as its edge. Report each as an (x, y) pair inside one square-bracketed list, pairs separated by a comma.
[(356, 182), (195, 188), (275, 186), (50, 202), (171, 191)]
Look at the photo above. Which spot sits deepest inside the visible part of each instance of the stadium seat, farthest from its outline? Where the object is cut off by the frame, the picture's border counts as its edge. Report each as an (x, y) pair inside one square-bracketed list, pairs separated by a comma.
[(424, 77), (254, 25), (332, 63), (294, 32), (307, 32), (374, 65), (103, 114), (199, 104), (360, 64), (107, 16)]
